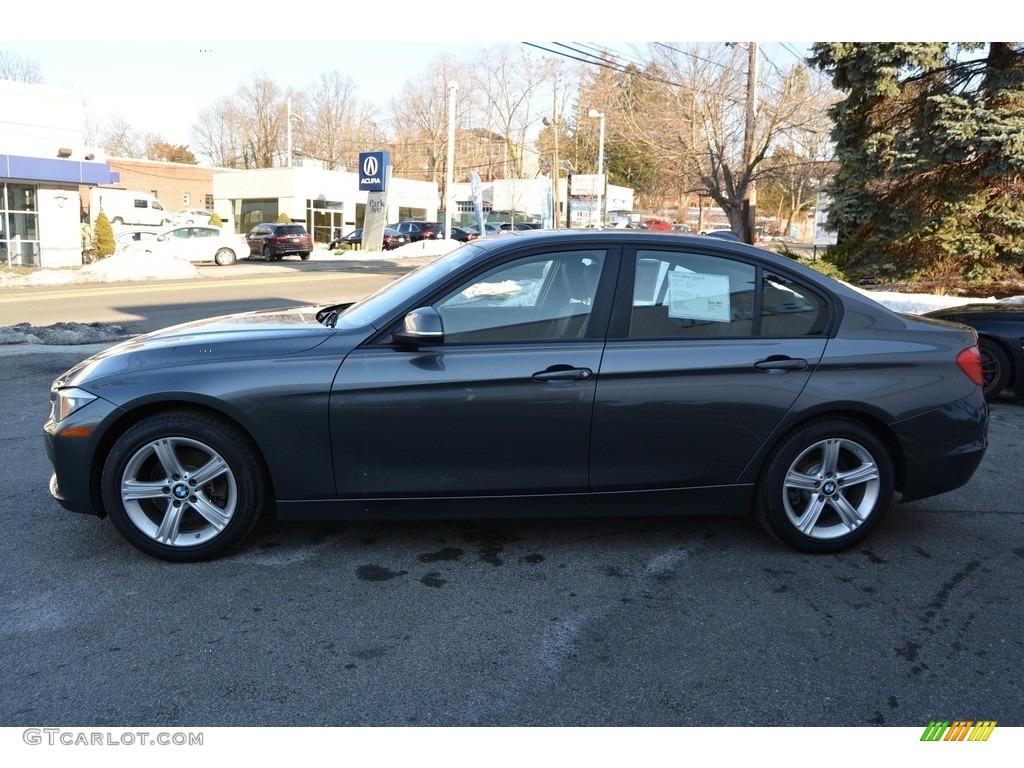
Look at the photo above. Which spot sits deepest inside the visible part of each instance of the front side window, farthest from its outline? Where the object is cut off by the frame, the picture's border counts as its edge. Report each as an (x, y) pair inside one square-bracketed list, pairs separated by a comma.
[(546, 297)]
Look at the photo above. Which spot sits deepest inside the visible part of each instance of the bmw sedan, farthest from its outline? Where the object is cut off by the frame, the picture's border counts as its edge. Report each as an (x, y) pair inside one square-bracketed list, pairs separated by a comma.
[(558, 373)]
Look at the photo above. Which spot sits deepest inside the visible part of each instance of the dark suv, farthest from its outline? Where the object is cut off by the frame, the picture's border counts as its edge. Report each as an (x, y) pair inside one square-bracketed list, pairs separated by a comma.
[(274, 241), (420, 230)]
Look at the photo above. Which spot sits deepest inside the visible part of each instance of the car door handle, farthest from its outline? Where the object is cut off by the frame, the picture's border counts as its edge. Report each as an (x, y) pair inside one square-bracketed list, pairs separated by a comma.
[(780, 363), (563, 373)]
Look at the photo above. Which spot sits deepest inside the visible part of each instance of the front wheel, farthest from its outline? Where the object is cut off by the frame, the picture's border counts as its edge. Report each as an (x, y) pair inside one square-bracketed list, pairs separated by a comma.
[(268, 255), (224, 257), (183, 486), (825, 487)]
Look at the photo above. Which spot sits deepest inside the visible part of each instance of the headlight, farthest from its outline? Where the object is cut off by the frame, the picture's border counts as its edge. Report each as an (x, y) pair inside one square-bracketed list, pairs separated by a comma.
[(64, 402)]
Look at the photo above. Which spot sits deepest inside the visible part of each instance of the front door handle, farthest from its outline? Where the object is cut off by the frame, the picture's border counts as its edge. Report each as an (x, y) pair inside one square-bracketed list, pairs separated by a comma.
[(563, 373), (780, 363)]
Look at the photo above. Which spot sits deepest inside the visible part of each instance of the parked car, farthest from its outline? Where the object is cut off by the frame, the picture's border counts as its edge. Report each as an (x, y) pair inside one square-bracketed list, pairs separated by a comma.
[(1000, 330), (562, 373), (274, 241), (193, 216), (127, 237), (419, 230), (517, 226), (354, 239), (463, 235), (490, 228), (724, 234), (194, 243)]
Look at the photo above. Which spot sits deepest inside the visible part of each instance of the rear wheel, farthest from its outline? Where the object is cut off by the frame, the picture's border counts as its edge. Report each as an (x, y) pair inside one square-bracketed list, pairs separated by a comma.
[(183, 486), (224, 257), (995, 367), (825, 487), (304, 255)]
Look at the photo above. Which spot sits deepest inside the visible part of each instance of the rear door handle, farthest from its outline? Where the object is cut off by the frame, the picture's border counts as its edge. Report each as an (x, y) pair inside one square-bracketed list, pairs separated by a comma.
[(780, 364), (563, 373)]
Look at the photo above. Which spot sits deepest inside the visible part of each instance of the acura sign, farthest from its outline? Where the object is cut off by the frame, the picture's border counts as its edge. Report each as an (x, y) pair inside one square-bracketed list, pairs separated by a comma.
[(373, 167)]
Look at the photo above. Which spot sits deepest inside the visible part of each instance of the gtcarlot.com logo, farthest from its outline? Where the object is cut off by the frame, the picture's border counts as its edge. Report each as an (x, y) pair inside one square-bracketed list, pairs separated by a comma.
[(71, 738), (958, 730)]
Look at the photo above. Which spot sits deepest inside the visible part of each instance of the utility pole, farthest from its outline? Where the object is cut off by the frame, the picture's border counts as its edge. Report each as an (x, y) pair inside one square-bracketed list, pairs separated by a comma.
[(749, 206)]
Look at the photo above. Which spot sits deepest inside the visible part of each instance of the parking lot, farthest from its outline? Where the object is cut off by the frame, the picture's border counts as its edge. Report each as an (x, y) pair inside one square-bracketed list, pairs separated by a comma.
[(640, 621)]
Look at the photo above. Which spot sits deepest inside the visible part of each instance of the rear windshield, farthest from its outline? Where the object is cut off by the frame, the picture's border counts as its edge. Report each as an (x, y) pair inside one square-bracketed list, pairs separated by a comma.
[(292, 229)]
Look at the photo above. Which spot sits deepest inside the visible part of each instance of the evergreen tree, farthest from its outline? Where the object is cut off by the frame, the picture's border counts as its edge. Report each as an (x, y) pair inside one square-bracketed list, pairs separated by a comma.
[(930, 149), (103, 238)]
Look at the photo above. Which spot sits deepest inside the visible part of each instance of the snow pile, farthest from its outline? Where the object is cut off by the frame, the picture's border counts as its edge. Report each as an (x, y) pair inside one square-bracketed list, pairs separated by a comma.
[(121, 267)]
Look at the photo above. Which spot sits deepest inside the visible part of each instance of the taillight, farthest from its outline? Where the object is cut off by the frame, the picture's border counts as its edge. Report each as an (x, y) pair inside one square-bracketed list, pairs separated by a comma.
[(970, 363)]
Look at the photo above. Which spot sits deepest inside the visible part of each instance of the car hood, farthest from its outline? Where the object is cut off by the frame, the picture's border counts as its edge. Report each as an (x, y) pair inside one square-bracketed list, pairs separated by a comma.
[(268, 333)]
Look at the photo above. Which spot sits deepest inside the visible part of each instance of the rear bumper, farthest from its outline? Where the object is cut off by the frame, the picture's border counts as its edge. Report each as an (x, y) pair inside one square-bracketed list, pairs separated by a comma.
[(943, 448)]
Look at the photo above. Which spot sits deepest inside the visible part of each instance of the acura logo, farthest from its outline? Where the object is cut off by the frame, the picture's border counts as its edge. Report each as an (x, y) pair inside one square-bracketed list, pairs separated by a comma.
[(370, 166)]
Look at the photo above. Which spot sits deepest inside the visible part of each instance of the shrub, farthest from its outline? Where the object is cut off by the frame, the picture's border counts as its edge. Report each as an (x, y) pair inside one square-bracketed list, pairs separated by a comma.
[(103, 236), (284, 218), (215, 220)]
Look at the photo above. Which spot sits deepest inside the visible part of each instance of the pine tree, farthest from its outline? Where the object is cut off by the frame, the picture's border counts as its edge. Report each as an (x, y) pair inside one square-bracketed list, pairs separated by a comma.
[(930, 146), (103, 236)]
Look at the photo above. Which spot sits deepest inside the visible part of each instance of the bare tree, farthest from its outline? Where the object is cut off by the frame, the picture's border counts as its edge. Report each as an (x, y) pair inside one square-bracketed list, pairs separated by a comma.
[(711, 91), (511, 83), (19, 69), (335, 126), (119, 139)]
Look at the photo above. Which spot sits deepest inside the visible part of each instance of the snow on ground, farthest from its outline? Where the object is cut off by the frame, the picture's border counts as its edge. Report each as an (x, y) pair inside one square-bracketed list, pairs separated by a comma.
[(127, 267)]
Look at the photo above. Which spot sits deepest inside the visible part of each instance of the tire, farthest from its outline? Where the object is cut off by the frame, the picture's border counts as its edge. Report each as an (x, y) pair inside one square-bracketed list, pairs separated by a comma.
[(224, 257), (839, 456), (304, 255), (117, 220), (183, 486), (267, 254), (995, 368)]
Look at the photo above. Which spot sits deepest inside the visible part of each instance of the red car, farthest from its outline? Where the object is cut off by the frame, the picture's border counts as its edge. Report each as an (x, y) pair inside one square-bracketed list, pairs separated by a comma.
[(275, 241)]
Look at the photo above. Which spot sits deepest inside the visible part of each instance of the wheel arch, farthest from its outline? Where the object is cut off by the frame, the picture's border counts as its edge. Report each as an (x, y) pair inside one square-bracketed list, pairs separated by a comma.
[(868, 420), (131, 416)]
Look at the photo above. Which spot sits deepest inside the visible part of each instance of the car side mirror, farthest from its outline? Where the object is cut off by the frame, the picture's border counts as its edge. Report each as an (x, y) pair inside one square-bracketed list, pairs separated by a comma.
[(421, 326)]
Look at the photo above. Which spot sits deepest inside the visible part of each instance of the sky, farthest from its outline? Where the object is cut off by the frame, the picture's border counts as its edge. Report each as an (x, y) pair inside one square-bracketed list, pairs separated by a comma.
[(157, 77)]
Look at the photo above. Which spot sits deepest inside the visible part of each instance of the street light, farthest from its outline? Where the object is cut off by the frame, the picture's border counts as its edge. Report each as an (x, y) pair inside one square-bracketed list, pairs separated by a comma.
[(449, 195), (600, 164), (555, 123), (291, 116)]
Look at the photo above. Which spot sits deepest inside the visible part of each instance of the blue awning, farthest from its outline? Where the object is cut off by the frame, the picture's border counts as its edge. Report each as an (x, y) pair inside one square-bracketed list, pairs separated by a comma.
[(56, 170)]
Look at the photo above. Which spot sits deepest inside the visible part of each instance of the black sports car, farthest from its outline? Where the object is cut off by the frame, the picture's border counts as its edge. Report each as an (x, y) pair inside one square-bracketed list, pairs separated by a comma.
[(1000, 330)]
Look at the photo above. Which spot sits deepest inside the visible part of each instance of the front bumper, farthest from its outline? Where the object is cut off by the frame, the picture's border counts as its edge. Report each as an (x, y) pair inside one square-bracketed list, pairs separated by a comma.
[(74, 447)]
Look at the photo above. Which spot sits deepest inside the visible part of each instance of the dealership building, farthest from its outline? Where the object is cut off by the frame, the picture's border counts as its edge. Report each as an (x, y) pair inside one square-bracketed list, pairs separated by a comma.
[(43, 164)]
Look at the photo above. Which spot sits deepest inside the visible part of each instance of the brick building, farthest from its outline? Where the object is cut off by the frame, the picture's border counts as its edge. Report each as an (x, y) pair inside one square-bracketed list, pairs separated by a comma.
[(177, 185)]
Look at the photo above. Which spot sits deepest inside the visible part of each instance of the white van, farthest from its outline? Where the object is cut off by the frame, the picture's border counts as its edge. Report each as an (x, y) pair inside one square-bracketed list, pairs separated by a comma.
[(128, 207)]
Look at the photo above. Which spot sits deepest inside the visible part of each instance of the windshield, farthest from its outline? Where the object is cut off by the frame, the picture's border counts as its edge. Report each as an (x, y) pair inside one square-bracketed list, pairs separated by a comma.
[(383, 302)]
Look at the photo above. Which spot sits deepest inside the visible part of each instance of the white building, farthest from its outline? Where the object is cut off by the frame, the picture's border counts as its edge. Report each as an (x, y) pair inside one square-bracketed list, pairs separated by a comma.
[(329, 203), (43, 162), (526, 197)]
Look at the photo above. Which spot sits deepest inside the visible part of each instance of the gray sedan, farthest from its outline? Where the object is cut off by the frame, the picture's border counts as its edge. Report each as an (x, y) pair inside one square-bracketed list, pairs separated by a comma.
[(562, 373)]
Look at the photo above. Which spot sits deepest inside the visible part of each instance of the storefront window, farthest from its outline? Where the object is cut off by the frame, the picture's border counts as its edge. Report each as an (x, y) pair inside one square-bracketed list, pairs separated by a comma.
[(19, 226)]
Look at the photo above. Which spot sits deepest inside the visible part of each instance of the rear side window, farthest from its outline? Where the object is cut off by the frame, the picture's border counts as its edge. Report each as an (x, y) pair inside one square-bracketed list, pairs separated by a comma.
[(683, 295)]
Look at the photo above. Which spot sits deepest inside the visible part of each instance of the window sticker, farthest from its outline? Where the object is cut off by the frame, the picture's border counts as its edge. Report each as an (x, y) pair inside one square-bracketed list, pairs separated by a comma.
[(699, 297)]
